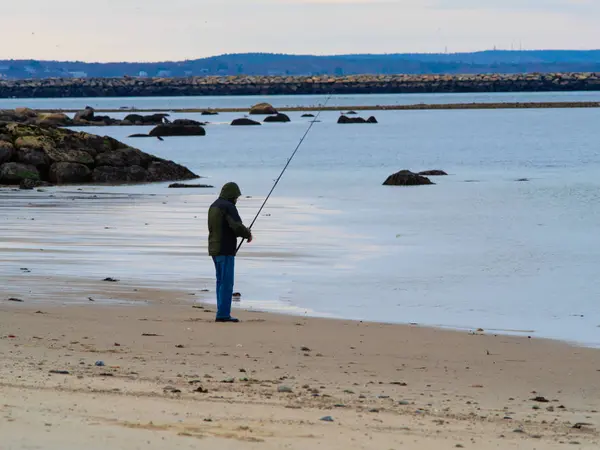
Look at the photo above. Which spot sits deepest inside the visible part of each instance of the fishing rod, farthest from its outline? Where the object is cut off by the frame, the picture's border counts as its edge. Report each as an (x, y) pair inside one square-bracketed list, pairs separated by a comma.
[(285, 168)]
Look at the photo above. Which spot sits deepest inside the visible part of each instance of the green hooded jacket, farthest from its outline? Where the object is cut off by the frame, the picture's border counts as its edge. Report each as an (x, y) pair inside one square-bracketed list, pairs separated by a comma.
[(224, 223)]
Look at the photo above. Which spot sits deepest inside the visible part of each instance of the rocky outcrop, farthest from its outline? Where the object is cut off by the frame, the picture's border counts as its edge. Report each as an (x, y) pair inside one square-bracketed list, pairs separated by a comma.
[(432, 173), (244, 121), (209, 113), (174, 129), (86, 115), (345, 119), (263, 108), (406, 178), (279, 117), (308, 115), (60, 156)]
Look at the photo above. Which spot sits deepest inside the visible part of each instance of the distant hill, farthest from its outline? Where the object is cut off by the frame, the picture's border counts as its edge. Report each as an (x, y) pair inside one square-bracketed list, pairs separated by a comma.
[(492, 61)]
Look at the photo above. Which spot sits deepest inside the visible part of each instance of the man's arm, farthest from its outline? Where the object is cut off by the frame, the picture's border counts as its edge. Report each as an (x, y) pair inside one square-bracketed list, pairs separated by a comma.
[(235, 223)]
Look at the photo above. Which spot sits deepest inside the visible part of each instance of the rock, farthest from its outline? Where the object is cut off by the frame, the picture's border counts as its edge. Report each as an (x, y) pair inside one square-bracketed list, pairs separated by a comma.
[(263, 108), (54, 120), (277, 118), (16, 300), (327, 419), (123, 158), (6, 151), (161, 170), (99, 364), (187, 122), (284, 389), (308, 115), (86, 115), (406, 178), (350, 113), (540, 399), (181, 185), (345, 119), (209, 113), (28, 184), (433, 173), (140, 135), (244, 121), (153, 119), (372, 119), (119, 175), (34, 157), (173, 129), (25, 112), (59, 372), (69, 173), (13, 173)]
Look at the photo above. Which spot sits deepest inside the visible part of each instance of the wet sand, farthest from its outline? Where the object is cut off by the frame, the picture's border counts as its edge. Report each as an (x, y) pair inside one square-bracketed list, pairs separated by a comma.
[(172, 378)]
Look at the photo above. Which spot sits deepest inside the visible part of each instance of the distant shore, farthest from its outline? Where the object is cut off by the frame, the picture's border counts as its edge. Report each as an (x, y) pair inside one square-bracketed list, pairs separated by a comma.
[(297, 85), (420, 106)]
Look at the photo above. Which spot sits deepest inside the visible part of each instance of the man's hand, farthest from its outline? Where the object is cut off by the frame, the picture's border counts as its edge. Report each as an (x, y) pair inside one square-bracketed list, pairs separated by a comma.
[(250, 238)]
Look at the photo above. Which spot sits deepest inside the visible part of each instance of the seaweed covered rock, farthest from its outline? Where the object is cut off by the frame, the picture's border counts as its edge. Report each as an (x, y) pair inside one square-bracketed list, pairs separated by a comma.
[(345, 119), (433, 173), (278, 118), (244, 121), (61, 156), (174, 129), (263, 108), (138, 119), (406, 178)]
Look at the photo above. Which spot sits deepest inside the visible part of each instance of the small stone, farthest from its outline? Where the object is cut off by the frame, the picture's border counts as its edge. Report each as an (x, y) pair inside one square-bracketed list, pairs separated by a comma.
[(284, 389), (99, 364), (111, 280), (403, 403), (305, 349), (327, 419), (540, 399)]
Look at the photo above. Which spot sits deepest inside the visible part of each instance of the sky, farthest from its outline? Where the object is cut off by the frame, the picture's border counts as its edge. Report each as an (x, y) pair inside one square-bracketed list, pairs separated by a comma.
[(158, 30)]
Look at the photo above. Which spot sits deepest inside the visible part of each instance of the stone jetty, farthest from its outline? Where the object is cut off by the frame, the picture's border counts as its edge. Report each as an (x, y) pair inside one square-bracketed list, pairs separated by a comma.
[(288, 85)]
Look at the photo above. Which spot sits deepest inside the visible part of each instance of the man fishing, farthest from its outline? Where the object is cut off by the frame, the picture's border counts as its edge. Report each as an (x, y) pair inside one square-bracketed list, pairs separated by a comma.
[(224, 227)]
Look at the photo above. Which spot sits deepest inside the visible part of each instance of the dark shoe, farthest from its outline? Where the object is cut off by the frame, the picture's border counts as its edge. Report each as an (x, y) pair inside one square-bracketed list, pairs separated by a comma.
[(228, 319)]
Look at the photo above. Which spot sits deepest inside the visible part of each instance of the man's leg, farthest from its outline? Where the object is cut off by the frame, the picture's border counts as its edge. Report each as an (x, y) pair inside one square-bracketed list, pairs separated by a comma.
[(226, 288), (219, 276)]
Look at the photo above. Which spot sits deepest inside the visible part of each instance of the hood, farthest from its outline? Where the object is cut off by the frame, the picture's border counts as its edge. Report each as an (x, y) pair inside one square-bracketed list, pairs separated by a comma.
[(230, 191)]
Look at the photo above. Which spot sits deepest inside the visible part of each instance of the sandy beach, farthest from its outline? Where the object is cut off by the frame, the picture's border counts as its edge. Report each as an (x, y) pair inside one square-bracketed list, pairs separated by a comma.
[(164, 375)]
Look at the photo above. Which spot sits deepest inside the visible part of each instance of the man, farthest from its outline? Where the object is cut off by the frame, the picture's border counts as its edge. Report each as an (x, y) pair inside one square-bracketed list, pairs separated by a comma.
[(224, 227)]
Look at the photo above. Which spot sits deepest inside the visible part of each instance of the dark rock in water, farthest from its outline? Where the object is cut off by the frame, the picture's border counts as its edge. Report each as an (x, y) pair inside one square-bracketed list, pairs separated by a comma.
[(372, 119), (308, 115), (181, 186), (278, 118), (14, 173), (153, 119), (173, 129), (263, 108), (350, 113), (119, 175), (140, 135), (187, 122), (346, 119), (6, 151), (523, 179), (244, 121), (209, 113), (68, 172), (62, 156), (86, 115), (406, 178), (433, 173)]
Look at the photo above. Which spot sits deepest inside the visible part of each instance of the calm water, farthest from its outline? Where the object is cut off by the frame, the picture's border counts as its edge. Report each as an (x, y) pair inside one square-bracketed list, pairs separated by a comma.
[(479, 249), (168, 103)]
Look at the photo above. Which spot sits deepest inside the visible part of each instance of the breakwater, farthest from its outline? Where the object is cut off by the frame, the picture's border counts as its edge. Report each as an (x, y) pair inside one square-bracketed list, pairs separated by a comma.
[(270, 85)]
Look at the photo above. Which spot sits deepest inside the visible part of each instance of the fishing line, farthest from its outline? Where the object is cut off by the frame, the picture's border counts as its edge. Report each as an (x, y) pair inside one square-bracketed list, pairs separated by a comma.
[(285, 167)]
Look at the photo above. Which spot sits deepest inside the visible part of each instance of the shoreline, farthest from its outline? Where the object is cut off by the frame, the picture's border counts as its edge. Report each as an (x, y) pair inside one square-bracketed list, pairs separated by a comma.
[(170, 376), (413, 107)]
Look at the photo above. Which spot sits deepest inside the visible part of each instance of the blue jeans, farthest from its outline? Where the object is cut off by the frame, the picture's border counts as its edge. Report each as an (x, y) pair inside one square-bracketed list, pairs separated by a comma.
[(224, 267)]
